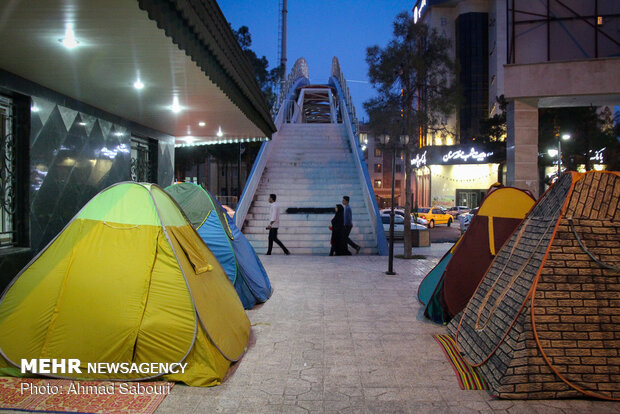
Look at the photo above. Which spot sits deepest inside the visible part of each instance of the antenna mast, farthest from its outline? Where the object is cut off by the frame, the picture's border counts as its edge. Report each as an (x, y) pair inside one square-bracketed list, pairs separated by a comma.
[(282, 37)]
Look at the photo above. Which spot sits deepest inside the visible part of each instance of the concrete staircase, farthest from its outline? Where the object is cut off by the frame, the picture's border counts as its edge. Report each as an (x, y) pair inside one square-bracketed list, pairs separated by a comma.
[(310, 165)]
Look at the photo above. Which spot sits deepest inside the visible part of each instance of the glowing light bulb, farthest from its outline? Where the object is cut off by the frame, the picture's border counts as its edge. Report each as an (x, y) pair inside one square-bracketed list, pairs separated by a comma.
[(69, 41), (175, 107)]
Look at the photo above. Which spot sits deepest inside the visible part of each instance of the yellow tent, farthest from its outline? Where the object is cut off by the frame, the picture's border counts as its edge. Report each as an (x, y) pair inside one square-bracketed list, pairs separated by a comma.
[(129, 281)]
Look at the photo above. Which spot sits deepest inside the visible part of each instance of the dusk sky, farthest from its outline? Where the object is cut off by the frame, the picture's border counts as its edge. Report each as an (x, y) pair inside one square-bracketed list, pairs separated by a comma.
[(319, 30)]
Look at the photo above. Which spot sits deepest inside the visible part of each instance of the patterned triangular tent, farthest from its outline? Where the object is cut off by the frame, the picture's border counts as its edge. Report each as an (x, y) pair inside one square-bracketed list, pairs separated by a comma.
[(128, 280), (500, 212), (545, 321), (225, 240)]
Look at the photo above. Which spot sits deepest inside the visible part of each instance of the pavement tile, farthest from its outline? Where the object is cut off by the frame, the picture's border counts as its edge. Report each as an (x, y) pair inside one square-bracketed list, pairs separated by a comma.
[(340, 336)]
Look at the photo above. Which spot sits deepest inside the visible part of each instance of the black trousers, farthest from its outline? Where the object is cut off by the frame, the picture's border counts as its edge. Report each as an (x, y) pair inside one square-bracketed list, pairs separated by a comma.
[(273, 237), (347, 231)]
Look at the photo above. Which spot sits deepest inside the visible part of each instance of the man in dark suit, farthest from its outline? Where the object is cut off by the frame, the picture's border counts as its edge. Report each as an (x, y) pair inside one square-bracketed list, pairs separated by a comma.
[(348, 223)]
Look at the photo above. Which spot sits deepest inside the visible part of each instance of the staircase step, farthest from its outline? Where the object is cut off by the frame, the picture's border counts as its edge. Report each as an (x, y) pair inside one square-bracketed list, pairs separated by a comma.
[(310, 165)]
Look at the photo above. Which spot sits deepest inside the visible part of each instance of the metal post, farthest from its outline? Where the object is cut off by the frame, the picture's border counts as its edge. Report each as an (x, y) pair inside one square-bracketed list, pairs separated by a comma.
[(391, 258), (283, 45), (238, 173), (559, 156)]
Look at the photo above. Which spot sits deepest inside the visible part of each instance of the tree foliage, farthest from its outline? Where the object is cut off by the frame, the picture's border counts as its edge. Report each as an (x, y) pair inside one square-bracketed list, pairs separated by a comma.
[(414, 76), (493, 129), (268, 79)]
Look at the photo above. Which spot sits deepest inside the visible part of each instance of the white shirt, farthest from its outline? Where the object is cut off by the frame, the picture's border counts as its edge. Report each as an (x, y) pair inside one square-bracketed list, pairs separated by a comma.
[(274, 215)]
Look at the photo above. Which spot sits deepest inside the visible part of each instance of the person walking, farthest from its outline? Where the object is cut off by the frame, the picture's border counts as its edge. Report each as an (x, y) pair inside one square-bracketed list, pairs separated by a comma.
[(338, 240), (274, 224), (348, 224)]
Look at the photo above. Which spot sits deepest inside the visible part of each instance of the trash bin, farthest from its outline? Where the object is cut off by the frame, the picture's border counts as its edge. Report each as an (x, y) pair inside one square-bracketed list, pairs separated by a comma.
[(420, 238)]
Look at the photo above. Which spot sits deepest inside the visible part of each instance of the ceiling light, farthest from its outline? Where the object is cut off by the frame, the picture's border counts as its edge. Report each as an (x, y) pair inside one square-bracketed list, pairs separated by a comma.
[(138, 84), (219, 132), (34, 108), (202, 123), (175, 107), (82, 123), (118, 134), (69, 40)]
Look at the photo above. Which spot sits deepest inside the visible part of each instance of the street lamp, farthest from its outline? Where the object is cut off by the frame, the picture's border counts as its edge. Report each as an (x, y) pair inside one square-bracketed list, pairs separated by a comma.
[(553, 152), (403, 139)]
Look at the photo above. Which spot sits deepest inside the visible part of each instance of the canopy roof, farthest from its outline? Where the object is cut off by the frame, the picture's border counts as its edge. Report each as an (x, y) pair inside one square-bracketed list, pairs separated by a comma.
[(184, 49)]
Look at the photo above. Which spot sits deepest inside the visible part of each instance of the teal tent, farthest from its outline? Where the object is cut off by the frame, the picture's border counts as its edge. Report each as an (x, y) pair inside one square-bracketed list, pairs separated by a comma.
[(430, 282), (225, 240)]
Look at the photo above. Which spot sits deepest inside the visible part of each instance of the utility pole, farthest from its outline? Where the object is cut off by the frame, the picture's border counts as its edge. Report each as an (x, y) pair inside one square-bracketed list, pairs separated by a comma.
[(283, 50), (282, 39)]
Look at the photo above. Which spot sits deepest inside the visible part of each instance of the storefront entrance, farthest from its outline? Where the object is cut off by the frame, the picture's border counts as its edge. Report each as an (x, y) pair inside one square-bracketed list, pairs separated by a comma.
[(469, 198)]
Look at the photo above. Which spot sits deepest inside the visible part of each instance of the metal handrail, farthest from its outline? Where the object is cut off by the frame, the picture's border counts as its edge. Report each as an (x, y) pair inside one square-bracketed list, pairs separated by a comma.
[(337, 73), (299, 70), (350, 121)]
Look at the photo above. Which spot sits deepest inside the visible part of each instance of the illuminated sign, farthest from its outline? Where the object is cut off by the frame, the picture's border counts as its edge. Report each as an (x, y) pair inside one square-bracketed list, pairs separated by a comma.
[(462, 155), (459, 154), (417, 11), (598, 155), (418, 161)]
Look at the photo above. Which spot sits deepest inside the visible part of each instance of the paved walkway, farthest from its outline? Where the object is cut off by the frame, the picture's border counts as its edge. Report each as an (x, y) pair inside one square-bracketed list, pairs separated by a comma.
[(338, 335)]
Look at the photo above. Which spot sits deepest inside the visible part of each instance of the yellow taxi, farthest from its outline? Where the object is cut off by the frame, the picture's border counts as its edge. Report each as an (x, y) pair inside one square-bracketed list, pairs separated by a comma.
[(434, 216)]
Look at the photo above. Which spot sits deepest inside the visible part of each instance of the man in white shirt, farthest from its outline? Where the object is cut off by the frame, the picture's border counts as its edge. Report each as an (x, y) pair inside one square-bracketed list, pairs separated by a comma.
[(274, 223)]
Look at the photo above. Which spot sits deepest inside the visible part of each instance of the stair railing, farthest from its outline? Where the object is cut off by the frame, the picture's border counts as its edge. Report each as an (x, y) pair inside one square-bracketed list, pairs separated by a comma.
[(350, 121), (285, 110)]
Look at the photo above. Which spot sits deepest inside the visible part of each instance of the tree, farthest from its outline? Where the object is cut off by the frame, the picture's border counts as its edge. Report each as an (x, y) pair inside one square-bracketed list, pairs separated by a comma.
[(414, 76), (494, 128), (268, 80)]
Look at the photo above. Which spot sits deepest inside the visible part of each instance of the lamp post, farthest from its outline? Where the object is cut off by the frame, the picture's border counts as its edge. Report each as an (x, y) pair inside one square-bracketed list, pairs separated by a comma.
[(553, 152), (385, 140)]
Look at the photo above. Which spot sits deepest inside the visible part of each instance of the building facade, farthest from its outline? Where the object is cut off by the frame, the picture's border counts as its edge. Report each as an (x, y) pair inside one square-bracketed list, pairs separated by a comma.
[(84, 104), (443, 175), (552, 53)]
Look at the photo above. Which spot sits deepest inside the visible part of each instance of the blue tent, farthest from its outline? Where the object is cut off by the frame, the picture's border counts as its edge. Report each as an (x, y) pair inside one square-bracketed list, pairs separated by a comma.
[(430, 282), (226, 241)]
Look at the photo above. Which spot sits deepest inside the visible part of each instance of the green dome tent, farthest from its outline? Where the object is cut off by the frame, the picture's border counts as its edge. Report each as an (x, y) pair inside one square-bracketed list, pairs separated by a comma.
[(226, 241), (127, 281)]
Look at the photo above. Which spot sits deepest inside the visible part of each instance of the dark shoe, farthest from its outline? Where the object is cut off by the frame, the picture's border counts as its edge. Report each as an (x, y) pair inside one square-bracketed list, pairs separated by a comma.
[(287, 253), (357, 249)]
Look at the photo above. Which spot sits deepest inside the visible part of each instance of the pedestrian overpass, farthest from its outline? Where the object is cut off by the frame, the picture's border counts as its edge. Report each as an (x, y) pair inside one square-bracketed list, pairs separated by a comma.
[(313, 159)]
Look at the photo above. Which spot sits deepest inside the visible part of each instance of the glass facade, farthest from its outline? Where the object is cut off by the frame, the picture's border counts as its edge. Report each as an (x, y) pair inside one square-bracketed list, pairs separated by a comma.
[(472, 53)]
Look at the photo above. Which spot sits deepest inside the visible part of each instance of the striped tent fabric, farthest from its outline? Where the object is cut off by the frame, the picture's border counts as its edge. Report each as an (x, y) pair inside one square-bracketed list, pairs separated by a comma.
[(469, 378)]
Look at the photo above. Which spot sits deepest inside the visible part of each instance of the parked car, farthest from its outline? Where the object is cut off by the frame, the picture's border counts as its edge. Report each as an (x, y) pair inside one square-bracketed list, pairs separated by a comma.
[(435, 215), (456, 210), (465, 218), (401, 212), (399, 226)]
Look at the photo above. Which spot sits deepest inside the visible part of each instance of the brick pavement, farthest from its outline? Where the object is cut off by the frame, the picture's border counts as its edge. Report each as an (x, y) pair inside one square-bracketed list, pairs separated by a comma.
[(338, 335)]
